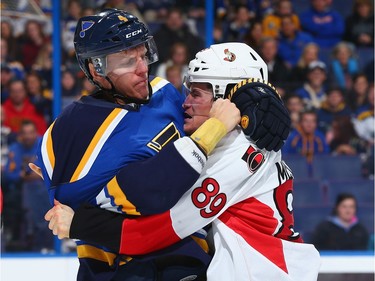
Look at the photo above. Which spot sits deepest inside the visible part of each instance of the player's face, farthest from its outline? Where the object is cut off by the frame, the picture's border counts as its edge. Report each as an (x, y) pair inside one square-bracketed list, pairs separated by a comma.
[(128, 71), (197, 106)]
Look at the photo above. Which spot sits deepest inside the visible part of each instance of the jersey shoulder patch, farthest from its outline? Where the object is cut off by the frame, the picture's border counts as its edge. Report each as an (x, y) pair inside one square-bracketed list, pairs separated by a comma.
[(254, 158)]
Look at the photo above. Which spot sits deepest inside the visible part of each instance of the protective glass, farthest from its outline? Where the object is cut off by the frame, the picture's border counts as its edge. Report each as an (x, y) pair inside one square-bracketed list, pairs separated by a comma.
[(127, 60)]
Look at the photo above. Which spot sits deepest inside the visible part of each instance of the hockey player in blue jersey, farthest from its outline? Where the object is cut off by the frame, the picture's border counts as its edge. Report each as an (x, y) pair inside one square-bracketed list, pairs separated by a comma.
[(87, 154)]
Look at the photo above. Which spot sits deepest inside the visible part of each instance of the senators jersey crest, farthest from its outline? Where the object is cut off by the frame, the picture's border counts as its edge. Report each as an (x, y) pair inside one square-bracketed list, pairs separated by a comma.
[(254, 158)]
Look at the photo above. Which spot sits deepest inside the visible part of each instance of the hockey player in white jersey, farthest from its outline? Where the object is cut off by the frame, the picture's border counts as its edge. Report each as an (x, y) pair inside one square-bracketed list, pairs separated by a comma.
[(244, 192)]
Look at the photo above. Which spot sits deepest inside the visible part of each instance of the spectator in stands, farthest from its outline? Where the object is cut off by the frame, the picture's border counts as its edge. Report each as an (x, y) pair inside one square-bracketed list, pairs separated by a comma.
[(33, 201), (87, 11), (291, 41), (313, 91), (6, 140), (87, 87), (130, 7), (323, 23), (155, 10), (299, 72), (179, 55), (342, 230), (254, 36), (359, 26), (11, 182), (7, 34), (240, 25), (39, 96), (271, 23), (343, 66), (278, 73), (357, 95), (31, 42), (174, 75), (218, 33), (343, 138), (364, 121), (195, 9), (258, 9), (5, 78), (18, 108), (333, 106), (368, 69), (69, 24), (43, 64), (294, 104), (306, 140), (6, 60), (175, 30), (364, 125), (70, 90)]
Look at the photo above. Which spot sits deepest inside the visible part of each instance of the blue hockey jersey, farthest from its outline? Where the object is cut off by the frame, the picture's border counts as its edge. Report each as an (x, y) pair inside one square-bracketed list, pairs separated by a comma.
[(83, 151)]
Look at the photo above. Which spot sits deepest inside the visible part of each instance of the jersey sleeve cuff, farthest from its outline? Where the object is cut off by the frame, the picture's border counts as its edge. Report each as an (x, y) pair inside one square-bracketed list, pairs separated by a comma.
[(192, 153)]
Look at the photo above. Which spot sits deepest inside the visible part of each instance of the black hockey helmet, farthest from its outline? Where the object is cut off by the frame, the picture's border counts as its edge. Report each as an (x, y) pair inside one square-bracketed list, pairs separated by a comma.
[(108, 32)]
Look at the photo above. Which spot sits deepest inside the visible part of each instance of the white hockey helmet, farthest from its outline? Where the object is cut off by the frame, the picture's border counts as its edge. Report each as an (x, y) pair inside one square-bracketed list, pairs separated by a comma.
[(226, 63)]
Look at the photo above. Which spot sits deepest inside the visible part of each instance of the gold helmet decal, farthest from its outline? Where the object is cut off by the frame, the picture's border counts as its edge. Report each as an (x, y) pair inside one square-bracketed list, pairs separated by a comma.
[(229, 56), (122, 18)]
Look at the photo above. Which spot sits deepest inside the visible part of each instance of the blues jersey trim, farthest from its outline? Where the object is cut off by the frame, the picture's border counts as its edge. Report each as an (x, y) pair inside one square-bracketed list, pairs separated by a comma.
[(88, 251), (157, 83), (201, 242), (169, 134), (47, 151), (97, 143), (115, 191)]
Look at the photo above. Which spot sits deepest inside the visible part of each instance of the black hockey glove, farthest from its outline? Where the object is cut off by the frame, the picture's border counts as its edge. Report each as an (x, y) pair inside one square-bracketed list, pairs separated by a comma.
[(264, 118)]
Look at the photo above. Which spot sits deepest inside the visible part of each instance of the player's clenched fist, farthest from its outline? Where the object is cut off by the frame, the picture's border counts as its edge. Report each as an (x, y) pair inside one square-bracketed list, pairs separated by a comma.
[(60, 218), (226, 112)]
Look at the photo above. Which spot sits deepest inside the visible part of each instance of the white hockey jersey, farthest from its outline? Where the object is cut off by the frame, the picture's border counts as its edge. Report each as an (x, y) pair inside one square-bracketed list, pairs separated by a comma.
[(246, 193)]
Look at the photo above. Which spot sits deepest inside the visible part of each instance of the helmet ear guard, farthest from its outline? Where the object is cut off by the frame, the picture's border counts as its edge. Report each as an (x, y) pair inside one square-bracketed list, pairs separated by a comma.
[(225, 64)]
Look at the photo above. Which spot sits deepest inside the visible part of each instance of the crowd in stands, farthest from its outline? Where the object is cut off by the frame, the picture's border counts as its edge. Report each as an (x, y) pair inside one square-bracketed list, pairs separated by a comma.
[(320, 60)]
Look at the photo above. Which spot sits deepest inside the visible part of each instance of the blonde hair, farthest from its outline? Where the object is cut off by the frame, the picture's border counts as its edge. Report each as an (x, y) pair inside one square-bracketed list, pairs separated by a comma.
[(302, 62)]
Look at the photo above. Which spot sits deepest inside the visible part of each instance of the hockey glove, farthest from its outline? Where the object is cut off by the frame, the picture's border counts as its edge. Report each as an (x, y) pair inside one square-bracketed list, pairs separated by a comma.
[(264, 118)]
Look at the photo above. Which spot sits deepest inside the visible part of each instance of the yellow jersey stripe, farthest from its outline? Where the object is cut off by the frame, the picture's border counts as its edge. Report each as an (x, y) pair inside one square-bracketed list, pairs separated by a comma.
[(47, 151), (120, 199), (157, 83), (97, 143), (201, 242), (88, 251)]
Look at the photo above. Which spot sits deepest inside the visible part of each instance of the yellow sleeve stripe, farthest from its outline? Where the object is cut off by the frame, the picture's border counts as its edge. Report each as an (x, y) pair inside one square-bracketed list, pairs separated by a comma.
[(97, 143), (158, 83), (47, 151), (120, 199), (88, 251)]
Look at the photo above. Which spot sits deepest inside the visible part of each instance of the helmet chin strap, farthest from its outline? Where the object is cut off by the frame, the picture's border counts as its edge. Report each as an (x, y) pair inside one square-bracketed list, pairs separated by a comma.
[(128, 100)]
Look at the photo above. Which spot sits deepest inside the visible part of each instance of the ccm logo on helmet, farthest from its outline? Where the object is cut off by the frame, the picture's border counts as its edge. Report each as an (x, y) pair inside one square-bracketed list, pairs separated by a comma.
[(131, 34)]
